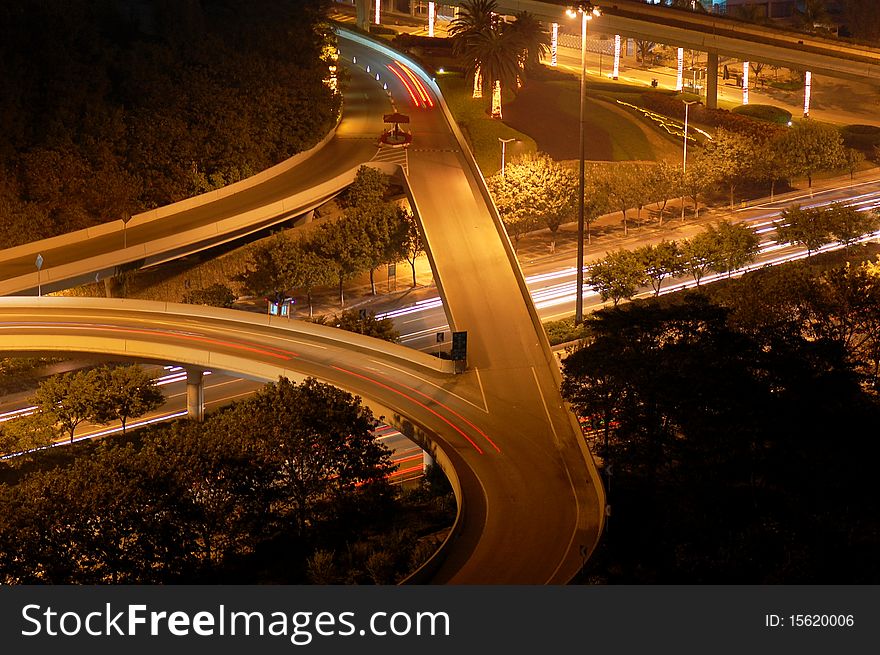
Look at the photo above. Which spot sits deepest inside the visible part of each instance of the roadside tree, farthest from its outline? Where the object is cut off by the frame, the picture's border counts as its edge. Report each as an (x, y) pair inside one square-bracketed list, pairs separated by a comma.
[(618, 276), (664, 181), (660, 262), (699, 255), (345, 248), (847, 224), (736, 246), (69, 398), (697, 181), (811, 147), (414, 244), (124, 392), (729, 158), (810, 227), (318, 443)]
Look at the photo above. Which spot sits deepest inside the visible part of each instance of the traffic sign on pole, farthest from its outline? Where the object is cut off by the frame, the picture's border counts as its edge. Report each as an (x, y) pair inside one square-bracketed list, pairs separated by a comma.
[(39, 265), (459, 346)]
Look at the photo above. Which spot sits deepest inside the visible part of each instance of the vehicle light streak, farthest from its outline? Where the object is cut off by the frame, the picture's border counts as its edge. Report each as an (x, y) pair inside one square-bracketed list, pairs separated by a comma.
[(452, 411), (160, 381), (102, 433), (417, 402), (409, 89), (262, 350), (420, 87)]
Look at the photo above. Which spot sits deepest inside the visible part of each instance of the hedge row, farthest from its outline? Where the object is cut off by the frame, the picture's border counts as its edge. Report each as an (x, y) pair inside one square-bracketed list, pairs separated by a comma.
[(672, 106)]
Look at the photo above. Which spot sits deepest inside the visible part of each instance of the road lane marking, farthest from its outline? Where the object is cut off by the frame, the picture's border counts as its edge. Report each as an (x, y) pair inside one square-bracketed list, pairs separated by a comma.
[(546, 410), (55, 325), (482, 391), (417, 402), (484, 408)]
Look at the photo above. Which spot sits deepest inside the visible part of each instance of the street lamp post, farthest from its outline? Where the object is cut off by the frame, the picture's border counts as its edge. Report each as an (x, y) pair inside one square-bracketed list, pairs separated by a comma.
[(684, 156), (587, 10), (504, 143)]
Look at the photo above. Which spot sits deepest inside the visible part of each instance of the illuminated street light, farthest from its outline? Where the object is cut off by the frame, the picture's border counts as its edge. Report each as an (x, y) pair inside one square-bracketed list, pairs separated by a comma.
[(587, 11), (684, 157), (504, 143)]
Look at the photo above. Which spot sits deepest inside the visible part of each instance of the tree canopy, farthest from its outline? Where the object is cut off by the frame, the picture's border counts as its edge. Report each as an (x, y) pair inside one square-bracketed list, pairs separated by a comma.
[(716, 416), (108, 111), (245, 496)]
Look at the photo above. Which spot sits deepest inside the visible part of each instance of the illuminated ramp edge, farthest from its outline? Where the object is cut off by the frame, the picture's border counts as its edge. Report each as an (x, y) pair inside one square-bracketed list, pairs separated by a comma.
[(509, 359), (409, 390)]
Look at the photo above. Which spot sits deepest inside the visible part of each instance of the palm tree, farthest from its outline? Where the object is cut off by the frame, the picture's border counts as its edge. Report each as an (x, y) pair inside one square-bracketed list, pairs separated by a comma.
[(474, 16), (534, 40), (497, 53), (814, 15), (644, 48)]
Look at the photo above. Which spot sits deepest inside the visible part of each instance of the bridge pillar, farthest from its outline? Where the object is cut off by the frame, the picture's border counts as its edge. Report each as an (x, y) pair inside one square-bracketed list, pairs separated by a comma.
[(363, 14), (195, 394), (712, 81), (427, 460)]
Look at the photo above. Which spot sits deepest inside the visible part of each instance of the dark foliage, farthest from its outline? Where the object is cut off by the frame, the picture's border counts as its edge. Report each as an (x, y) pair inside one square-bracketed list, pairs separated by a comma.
[(109, 108), (738, 441), (243, 497)]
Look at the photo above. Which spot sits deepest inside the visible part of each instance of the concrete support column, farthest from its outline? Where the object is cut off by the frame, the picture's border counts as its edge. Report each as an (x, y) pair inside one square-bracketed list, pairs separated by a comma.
[(363, 14), (195, 394), (427, 460), (712, 80)]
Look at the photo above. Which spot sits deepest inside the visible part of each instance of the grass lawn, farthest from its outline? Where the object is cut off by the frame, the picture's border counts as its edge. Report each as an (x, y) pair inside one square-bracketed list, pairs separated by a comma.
[(481, 131), (544, 116)]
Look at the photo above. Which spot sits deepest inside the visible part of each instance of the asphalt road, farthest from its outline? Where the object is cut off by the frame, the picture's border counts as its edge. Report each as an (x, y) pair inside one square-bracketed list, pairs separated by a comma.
[(531, 501), (552, 283), (536, 536), (191, 230), (219, 390)]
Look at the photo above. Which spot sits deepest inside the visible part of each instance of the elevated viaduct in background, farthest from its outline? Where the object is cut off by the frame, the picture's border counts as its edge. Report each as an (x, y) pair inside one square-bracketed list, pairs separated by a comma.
[(709, 33)]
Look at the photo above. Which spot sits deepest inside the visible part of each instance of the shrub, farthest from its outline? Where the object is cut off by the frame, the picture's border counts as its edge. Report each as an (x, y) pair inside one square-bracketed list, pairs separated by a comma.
[(764, 113), (862, 137), (563, 331), (381, 29), (795, 85), (672, 106), (216, 295)]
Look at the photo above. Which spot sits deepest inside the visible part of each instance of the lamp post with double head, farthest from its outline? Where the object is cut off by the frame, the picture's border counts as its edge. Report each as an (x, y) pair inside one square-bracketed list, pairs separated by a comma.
[(587, 10)]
